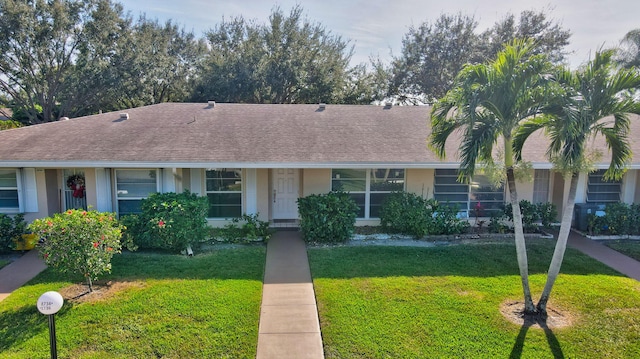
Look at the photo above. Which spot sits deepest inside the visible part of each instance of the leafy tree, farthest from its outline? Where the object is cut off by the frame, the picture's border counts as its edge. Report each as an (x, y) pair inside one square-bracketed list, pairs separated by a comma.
[(9, 124), (595, 100), (79, 242), (43, 48), (549, 37), (433, 53), (629, 52), (487, 103), (288, 60), (158, 63)]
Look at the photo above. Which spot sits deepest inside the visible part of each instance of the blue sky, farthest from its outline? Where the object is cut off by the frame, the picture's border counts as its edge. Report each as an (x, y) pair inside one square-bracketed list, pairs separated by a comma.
[(376, 27)]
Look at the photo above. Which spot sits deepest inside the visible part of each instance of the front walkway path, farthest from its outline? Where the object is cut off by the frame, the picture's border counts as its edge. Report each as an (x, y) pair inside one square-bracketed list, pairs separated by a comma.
[(616, 260), (22, 270), (289, 325)]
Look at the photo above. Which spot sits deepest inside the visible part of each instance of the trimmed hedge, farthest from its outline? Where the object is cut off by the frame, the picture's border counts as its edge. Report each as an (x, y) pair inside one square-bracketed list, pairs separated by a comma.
[(327, 218)]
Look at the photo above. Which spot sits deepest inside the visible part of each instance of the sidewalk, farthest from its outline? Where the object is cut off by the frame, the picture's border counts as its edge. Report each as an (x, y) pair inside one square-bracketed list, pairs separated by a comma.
[(289, 325), (616, 260), (16, 274)]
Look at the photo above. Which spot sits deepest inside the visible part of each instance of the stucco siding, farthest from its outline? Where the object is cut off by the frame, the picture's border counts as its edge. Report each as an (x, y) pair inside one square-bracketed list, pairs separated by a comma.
[(420, 182), (316, 181)]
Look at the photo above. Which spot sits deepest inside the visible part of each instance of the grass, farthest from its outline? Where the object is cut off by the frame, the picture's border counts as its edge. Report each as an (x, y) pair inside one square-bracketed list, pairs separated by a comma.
[(4, 262), (443, 302), (206, 306), (627, 247)]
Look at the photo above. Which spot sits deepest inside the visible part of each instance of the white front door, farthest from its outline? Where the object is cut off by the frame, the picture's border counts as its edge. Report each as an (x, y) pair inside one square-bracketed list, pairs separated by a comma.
[(285, 193)]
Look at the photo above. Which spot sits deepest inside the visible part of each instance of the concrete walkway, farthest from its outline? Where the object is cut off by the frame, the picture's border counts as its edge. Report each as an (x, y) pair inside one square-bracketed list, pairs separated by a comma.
[(289, 325), (616, 260), (22, 270)]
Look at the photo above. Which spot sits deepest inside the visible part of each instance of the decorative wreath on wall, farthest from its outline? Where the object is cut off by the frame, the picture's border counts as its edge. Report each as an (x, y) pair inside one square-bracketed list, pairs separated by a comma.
[(76, 184)]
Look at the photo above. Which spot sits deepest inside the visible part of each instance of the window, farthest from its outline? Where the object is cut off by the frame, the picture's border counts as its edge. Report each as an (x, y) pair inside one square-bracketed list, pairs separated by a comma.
[(368, 188), (467, 197), (224, 190), (9, 191), (132, 186), (601, 191), (541, 186)]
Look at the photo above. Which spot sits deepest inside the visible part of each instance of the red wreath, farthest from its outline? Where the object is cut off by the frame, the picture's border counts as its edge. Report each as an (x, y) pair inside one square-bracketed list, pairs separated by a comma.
[(76, 184)]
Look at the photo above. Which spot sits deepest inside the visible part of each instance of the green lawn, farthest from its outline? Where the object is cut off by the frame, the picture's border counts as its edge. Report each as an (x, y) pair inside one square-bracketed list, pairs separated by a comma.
[(4, 262), (443, 302), (627, 247), (207, 306)]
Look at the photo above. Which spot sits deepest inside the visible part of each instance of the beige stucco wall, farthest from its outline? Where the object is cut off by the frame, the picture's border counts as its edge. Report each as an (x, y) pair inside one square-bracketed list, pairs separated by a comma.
[(316, 181), (262, 192), (420, 182)]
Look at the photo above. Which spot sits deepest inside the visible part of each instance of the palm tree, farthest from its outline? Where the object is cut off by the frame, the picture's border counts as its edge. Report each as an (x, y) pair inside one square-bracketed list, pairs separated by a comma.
[(487, 103), (595, 100)]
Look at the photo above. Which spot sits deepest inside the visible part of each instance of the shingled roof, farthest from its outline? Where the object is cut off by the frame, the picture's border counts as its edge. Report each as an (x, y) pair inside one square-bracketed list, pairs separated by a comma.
[(247, 135)]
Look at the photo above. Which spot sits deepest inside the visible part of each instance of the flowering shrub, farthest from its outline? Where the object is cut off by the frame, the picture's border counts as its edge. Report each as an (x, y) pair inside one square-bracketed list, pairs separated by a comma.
[(79, 242), (169, 221)]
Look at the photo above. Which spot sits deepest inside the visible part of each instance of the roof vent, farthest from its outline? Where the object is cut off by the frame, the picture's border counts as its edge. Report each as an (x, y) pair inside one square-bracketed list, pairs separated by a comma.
[(211, 103), (388, 105), (124, 116), (64, 118), (322, 106)]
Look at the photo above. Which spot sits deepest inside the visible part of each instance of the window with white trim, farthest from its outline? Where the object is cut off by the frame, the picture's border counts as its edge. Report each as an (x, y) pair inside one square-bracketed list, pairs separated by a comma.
[(132, 186), (368, 187), (600, 191), (9, 191), (224, 190), (540, 186), (480, 194)]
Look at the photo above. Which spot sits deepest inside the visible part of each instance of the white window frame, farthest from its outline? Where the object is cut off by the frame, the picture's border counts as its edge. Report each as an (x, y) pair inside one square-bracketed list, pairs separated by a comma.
[(137, 198), (541, 186), (17, 188), (241, 191), (367, 192)]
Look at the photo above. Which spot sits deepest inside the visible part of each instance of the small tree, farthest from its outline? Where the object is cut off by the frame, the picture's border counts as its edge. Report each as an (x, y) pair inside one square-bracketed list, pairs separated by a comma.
[(79, 242)]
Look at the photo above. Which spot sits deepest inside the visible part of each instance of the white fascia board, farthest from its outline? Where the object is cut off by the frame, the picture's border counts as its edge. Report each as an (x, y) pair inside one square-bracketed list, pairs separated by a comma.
[(365, 165)]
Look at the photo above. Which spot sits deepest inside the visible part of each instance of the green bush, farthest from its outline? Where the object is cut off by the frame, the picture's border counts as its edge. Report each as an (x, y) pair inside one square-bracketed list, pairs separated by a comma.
[(546, 213), (410, 214), (251, 230), (169, 221), (79, 242), (616, 218), (327, 218), (10, 230)]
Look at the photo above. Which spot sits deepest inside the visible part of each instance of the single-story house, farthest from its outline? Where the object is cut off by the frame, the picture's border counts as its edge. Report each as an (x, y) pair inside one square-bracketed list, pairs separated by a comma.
[(256, 158)]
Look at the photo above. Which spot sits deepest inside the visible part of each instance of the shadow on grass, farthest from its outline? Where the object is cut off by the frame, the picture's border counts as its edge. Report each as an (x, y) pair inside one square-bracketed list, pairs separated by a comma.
[(474, 260), (554, 344), (18, 326)]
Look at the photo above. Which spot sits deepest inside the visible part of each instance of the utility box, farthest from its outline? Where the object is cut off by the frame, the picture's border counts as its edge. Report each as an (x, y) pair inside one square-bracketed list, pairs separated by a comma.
[(581, 213)]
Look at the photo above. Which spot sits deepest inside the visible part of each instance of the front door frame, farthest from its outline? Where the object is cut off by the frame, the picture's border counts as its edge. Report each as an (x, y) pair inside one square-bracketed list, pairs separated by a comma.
[(285, 185)]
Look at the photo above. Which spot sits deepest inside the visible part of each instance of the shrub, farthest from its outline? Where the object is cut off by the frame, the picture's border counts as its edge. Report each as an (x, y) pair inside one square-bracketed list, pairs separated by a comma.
[(10, 230), (252, 229), (79, 242), (169, 221), (408, 213), (327, 218), (531, 213), (616, 218)]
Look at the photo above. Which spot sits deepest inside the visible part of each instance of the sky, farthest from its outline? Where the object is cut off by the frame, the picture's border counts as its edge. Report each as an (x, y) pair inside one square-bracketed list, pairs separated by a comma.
[(376, 27)]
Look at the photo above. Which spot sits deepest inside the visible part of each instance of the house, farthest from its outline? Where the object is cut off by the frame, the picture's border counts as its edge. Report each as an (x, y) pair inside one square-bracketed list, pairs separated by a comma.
[(255, 158)]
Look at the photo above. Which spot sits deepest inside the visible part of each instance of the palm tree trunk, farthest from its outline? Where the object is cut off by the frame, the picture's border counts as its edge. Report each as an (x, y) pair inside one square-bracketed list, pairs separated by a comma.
[(561, 245), (521, 248)]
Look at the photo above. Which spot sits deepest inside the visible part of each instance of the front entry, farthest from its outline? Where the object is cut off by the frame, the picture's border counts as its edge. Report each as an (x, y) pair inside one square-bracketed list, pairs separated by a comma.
[(285, 193)]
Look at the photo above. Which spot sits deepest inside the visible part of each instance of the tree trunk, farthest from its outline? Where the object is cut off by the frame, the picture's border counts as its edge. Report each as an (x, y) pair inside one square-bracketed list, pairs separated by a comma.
[(521, 248), (561, 245)]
